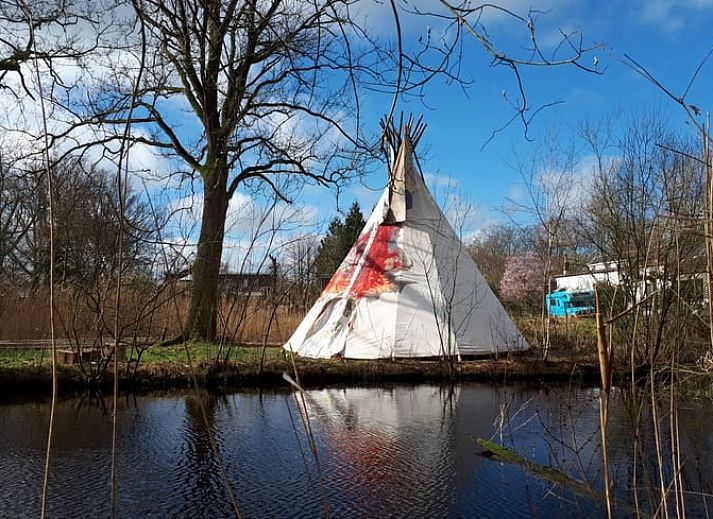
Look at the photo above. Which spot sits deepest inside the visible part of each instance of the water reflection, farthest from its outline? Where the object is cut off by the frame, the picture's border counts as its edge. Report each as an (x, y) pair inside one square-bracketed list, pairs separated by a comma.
[(402, 451), (388, 446)]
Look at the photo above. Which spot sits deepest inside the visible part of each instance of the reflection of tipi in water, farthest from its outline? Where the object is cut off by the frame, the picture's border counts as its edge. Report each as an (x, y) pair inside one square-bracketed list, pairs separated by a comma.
[(408, 287), (410, 451), (392, 451)]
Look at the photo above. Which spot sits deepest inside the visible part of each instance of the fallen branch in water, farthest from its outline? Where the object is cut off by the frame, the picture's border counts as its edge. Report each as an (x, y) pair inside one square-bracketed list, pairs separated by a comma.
[(497, 452)]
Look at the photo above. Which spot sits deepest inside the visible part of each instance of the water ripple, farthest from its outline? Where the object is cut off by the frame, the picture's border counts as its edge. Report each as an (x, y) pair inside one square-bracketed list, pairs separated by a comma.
[(402, 451)]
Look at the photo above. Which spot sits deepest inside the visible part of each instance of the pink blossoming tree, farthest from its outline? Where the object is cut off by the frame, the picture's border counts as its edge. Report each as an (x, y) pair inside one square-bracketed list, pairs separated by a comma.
[(522, 282)]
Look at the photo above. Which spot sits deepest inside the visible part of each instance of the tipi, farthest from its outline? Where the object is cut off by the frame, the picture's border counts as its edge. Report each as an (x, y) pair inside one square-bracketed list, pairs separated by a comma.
[(408, 287)]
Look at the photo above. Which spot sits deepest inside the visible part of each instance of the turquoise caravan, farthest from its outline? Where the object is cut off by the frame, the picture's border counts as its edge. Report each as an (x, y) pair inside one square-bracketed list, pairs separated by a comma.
[(563, 303)]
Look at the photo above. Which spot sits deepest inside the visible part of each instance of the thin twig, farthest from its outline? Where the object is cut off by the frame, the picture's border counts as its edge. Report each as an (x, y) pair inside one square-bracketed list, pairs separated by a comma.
[(121, 184), (53, 343)]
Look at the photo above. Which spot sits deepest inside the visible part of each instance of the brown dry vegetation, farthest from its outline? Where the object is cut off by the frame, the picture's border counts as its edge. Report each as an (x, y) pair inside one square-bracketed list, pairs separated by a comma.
[(146, 315), (241, 320)]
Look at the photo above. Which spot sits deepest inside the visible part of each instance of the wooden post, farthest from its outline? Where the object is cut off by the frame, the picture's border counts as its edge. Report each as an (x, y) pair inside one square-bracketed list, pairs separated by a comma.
[(605, 372), (602, 351)]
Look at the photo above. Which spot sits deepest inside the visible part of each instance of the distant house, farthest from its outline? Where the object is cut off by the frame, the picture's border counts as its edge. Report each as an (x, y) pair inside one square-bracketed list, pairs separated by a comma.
[(691, 277), (253, 284), (249, 283), (597, 272)]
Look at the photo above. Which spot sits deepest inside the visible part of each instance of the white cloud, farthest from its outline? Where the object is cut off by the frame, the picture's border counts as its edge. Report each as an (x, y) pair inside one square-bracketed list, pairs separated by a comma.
[(365, 195), (254, 228), (481, 220), (669, 15), (553, 189), (241, 216), (22, 122), (437, 182)]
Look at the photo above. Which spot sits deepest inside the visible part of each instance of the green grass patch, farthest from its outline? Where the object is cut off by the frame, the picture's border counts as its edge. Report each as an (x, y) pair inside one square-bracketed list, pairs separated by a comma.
[(570, 334), (209, 352), (23, 357), (199, 351)]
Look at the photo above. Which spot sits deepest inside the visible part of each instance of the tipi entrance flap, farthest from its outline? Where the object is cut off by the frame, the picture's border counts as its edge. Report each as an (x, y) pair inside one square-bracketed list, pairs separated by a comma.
[(417, 328)]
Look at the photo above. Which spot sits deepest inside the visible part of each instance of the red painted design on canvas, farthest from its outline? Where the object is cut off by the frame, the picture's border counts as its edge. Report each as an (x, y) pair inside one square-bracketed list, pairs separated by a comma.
[(376, 275)]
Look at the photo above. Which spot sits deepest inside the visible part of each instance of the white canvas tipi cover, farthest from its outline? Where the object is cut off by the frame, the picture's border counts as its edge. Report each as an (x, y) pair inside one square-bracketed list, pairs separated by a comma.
[(407, 288)]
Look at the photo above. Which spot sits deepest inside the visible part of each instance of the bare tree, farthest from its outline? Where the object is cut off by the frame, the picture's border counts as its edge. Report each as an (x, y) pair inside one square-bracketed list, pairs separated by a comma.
[(299, 256), (644, 214), (240, 94), (527, 52), (85, 230), (272, 87), (42, 30), (694, 115), (491, 249), (17, 217), (551, 184)]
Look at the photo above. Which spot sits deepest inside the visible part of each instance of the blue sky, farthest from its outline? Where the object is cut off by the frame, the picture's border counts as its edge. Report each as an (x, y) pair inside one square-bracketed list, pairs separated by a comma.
[(668, 37)]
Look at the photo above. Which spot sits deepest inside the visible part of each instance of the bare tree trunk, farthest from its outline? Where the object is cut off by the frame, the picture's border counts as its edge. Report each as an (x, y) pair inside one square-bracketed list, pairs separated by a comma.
[(203, 310), (708, 223)]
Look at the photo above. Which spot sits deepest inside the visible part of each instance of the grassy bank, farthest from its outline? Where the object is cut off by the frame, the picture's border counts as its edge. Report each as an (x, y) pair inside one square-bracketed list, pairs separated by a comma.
[(572, 355), (168, 367)]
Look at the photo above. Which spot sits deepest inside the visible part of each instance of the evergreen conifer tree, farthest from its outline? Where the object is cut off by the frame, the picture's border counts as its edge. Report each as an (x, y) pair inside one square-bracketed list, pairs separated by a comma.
[(336, 244)]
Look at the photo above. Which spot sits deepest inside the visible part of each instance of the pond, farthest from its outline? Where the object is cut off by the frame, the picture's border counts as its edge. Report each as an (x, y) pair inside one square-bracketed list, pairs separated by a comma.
[(397, 451)]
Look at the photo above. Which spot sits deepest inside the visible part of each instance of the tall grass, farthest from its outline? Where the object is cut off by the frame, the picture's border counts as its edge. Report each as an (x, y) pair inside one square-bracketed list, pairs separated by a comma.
[(144, 314)]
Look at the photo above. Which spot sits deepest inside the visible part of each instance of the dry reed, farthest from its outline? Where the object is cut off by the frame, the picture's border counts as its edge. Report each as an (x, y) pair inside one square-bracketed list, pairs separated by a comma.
[(142, 314)]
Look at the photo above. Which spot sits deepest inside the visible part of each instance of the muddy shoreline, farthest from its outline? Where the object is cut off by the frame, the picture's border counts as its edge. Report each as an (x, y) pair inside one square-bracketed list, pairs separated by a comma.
[(33, 380)]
